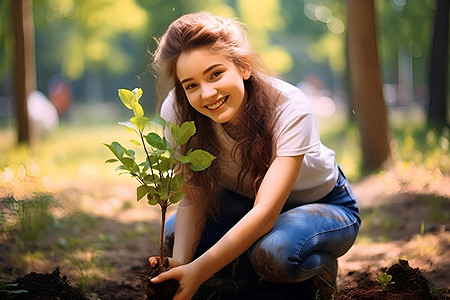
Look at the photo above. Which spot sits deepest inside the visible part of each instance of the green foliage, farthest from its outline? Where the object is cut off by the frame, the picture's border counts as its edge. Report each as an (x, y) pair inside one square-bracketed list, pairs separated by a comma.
[(29, 217), (93, 33), (423, 146), (157, 174), (385, 280)]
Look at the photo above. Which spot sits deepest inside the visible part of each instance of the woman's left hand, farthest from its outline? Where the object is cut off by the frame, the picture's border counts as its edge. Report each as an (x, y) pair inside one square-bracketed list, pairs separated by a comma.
[(186, 276)]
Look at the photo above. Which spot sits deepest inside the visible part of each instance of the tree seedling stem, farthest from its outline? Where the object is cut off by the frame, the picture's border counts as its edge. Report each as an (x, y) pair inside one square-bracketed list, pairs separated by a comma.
[(158, 180)]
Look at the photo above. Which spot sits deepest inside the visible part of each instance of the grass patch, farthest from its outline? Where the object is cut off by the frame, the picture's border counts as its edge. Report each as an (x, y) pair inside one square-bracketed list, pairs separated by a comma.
[(440, 209), (40, 239), (29, 218), (377, 224)]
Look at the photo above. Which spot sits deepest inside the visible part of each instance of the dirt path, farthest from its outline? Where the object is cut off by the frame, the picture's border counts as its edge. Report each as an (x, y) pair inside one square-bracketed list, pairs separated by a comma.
[(401, 219)]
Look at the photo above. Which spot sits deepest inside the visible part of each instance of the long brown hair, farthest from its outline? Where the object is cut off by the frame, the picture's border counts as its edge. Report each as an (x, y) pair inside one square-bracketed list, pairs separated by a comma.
[(255, 143)]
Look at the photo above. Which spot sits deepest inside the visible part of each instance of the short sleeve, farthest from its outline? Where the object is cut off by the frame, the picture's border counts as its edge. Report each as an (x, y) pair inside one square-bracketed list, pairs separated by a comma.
[(296, 130), (168, 113)]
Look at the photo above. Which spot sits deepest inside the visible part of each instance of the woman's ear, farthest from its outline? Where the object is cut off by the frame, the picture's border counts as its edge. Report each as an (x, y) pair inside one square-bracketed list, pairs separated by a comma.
[(246, 74), (246, 69)]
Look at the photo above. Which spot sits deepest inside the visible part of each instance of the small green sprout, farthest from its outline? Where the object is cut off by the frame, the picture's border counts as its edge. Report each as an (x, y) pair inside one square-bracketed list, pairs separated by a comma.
[(385, 281), (158, 180)]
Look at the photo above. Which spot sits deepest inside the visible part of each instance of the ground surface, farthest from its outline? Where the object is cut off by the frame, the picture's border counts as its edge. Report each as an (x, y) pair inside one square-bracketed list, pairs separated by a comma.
[(405, 215)]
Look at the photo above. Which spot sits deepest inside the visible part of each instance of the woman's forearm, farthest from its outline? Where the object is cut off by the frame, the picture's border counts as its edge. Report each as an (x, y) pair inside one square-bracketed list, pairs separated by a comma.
[(271, 197), (189, 226), (244, 234)]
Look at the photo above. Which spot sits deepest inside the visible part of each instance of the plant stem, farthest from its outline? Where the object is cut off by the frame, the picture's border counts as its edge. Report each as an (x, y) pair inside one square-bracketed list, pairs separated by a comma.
[(161, 236), (141, 135)]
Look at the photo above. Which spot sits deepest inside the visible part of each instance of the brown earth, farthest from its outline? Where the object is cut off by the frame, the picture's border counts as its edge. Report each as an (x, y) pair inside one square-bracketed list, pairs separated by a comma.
[(405, 216)]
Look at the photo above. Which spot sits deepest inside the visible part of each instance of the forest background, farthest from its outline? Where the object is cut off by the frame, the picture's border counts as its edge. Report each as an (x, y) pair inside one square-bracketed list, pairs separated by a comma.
[(83, 51)]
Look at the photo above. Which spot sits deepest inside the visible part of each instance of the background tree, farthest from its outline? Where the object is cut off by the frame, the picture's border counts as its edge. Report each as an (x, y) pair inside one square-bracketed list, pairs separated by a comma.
[(404, 52), (366, 84), (437, 112), (25, 70)]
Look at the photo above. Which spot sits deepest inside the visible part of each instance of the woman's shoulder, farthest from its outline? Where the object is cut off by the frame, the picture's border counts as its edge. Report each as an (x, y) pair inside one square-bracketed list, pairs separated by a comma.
[(168, 107), (291, 99), (286, 88)]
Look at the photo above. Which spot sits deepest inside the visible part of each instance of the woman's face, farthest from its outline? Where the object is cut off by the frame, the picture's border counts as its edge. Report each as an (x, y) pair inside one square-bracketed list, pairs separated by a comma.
[(213, 84)]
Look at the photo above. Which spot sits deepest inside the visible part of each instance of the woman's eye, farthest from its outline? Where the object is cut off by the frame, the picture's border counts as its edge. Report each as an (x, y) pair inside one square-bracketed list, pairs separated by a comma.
[(189, 86), (216, 74)]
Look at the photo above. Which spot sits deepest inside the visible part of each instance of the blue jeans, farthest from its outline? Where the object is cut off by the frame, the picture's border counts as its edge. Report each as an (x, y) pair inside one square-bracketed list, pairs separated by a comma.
[(303, 237)]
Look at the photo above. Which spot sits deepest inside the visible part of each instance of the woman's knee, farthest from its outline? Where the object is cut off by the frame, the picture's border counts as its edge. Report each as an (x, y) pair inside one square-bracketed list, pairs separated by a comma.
[(275, 260)]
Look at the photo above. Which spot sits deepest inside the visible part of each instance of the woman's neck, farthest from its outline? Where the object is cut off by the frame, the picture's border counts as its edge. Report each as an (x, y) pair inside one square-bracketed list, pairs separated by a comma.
[(233, 130)]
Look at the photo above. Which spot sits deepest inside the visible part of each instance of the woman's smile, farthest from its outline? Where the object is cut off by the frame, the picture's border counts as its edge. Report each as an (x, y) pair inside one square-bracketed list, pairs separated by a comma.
[(218, 104)]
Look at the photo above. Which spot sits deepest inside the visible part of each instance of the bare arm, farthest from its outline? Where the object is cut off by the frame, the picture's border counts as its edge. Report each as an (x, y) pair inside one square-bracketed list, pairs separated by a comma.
[(272, 195), (189, 225)]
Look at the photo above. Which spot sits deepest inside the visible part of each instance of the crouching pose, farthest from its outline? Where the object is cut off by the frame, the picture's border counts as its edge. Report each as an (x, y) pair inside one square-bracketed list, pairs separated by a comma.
[(275, 193)]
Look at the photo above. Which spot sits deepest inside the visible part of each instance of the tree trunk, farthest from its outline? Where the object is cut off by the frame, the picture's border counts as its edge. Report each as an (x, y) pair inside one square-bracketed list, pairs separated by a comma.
[(366, 84), (24, 69), (437, 111)]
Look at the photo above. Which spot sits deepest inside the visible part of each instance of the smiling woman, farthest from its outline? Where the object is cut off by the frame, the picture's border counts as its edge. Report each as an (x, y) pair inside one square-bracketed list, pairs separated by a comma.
[(214, 86), (274, 197)]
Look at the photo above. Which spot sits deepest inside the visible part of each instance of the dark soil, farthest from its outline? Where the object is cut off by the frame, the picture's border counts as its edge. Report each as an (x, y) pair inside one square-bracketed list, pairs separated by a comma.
[(35, 286), (163, 291), (409, 283)]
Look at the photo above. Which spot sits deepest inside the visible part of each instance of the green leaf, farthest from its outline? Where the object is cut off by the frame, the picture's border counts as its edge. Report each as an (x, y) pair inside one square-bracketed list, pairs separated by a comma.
[(145, 165), (154, 140), (177, 182), (127, 98), (141, 191), (182, 134), (200, 160), (128, 125), (134, 142), (384, 278), (129, 153), (139, 122), (152, 159), (137, 94), (158, 121), (175, 198), (15, 291), (152, 179), (112, 160), (116, 149), (138, 110), (152, 200), (183, 159), (122, 167), (165, 164), (128, 162)]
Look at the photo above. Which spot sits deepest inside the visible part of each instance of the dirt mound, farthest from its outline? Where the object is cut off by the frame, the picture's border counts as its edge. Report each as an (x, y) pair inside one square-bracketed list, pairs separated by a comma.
[(408, 283), (36, 286)]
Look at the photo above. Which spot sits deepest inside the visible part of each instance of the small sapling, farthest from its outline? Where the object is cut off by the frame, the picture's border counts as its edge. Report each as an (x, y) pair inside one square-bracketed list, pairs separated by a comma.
[(385, 280), (157, 177)]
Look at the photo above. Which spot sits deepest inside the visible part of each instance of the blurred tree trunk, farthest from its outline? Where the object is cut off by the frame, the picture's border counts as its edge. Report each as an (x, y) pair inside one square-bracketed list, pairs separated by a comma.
[(24, 69), (366, 84), (437, 110)]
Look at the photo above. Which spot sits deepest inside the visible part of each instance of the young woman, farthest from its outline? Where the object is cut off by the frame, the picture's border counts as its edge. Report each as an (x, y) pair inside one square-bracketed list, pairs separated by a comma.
[(274, 192)]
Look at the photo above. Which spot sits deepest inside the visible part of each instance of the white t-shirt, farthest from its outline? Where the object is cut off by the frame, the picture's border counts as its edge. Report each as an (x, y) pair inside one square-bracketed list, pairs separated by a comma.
[(296, 133)]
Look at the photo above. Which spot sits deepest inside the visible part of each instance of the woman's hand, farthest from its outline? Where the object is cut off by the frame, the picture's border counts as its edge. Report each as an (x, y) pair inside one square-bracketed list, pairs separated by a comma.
[(186, 276), (168, 263)]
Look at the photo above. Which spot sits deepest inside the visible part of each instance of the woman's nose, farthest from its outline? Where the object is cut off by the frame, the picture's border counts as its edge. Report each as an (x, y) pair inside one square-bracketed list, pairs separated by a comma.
[(208, 91)]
